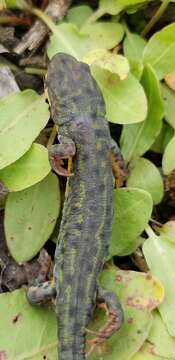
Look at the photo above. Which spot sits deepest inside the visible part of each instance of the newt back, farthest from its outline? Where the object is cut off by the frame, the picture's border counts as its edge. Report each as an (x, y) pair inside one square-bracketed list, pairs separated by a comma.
[(77, 106)]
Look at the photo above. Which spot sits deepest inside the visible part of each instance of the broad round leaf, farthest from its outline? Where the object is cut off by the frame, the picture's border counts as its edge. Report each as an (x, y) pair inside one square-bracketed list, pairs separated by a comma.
[(146, 353), (30, 217), (31, 168), (162, 140), (117, 64), (125, 100), (26, 332), (160, 257), (167, 230), (169, 104), (23, 115), (133, 47), (159, 51), (132, 211), (163, 343), (138, 294), (168, 161), (136, 139), (78, 15), (105, 34), (113, 7), (145, 175), (69, 39)]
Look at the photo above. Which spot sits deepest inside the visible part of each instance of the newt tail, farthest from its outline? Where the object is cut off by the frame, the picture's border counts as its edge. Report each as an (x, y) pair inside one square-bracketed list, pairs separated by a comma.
[(78, 108)]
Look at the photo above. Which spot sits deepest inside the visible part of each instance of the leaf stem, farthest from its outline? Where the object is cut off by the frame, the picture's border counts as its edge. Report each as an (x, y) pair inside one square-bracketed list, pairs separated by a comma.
[(149, 231), (52, 136), (155, 17), (94, 17), (44, 17), (156, 222)]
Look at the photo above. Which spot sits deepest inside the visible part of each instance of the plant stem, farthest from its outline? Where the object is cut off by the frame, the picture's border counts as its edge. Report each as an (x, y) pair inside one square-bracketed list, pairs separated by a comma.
[(155, 17), (35, 71), (94, 17), (52, 136), (149, 231), (45, 18)]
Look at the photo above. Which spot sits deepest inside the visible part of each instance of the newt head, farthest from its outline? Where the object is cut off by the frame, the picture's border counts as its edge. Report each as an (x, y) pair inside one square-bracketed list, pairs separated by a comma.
[(72, 90)]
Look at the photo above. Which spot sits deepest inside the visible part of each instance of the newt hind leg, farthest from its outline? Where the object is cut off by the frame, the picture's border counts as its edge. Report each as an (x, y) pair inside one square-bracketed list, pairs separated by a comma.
[(108, 301), (119, 168)]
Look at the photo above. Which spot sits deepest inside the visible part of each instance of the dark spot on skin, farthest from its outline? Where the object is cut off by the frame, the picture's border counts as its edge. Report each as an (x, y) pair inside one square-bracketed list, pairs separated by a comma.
[(101, 187), (79, 227), (99, 133), (68, 279), (29, 227), (15, 319), (139, 331), (81, 292), (11, 237), (44, 357), (93, 114)]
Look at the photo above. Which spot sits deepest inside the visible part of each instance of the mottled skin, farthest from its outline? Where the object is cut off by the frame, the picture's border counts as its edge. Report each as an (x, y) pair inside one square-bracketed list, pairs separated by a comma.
[(77, 106)]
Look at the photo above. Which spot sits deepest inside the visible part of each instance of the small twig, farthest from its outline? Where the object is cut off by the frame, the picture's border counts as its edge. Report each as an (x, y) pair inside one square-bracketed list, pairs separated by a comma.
[(155, 17), (7, 19), (56, 10)]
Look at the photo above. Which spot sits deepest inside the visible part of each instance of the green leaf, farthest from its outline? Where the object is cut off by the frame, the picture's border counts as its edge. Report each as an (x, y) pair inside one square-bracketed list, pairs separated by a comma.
[(125, 100), (69, 39), (31, 168), (138, 294), (145, 175), (23, 115), (117, 64), (30, 217), (78, 15), (146, 353), (162, 342), (167, 230), (35, 329), (127, 224), (133, 47), (160, 257), (165, 135), (160, 50), (106, 35), (136, 139), (114, 7), (168, 161), (169, 104)]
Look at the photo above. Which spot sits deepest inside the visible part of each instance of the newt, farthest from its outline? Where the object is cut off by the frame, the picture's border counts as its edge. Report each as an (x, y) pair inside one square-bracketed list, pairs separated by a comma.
[(78, 108)]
